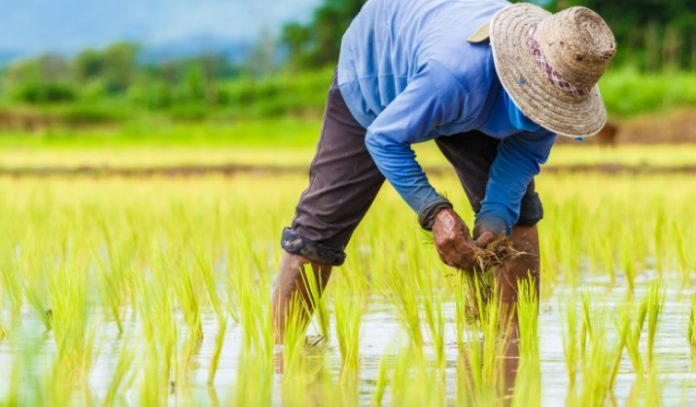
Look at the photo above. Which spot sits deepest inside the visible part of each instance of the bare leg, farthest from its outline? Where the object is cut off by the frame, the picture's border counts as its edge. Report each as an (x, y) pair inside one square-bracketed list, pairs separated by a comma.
[(507, 276), (291, 284)]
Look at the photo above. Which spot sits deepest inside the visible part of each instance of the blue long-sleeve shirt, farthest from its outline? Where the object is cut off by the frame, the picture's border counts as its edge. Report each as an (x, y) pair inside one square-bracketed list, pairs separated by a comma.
[(408, 74)]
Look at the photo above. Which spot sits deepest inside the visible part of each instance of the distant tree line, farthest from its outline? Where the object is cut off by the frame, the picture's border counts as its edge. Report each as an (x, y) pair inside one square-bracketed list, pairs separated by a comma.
[(116, 72), (652, 34)]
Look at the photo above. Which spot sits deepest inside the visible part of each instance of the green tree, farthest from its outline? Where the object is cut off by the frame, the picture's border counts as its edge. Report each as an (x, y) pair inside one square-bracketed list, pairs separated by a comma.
[(317, 43), (45, 79), (652, 34)]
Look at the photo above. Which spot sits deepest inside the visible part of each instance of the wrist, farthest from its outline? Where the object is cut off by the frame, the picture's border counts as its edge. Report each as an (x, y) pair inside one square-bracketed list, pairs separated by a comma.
[(426, 216), (490, 223)]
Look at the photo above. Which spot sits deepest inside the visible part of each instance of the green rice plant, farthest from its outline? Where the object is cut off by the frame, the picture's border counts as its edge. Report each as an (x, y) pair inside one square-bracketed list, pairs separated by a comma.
[(691, 333), (414, 382), (629, 258), (253, 382), (647, 389), (527, 390), (571, 341), (433, 314), (151, 259), (528, 319), (401, 288), (11, 287), (311, 278), (35, 290), (659, 238), (350, 304), (681, 252), (459, 287), (189, 294), (114, 254), (120, 374), (159, 331), (256, 358), (381, 382), (635, 330), (586, 329), (304, 374), (600, 360), (73, 331), (603, 257), (655, 304), (481, 371), (217, 350), (249, 295)]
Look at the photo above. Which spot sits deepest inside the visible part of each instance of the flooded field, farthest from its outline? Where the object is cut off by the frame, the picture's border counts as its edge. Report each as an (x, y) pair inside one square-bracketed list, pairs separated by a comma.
[(121, 292)]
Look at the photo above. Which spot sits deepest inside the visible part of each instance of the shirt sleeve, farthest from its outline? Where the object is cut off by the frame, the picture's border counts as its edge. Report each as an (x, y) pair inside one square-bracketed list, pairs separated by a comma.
[(429, 100), (517, 162)]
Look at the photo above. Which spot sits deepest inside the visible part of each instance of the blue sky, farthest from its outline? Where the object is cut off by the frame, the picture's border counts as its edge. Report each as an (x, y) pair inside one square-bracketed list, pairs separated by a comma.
[(32, 26)]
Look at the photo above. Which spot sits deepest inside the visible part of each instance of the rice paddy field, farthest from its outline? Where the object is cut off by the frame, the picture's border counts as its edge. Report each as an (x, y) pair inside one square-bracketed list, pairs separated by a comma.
[(153, 291)]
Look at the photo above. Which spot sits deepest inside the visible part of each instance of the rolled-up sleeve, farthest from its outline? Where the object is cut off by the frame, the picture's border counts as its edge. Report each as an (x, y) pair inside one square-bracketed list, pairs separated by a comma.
[(431, 98), (517, 162)]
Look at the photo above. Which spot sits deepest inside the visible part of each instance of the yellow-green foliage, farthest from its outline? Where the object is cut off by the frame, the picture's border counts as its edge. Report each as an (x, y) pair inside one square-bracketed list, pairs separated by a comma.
[(150, 260)]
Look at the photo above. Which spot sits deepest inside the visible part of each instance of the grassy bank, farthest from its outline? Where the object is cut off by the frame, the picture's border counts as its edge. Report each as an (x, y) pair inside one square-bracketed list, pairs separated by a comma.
[(302, 94)]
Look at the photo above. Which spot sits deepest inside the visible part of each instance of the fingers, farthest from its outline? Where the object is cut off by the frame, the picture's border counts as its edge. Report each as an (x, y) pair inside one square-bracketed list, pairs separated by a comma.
[(485, 239)]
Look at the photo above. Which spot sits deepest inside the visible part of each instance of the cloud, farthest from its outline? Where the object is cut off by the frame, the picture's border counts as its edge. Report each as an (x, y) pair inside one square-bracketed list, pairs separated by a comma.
[(70, 25)]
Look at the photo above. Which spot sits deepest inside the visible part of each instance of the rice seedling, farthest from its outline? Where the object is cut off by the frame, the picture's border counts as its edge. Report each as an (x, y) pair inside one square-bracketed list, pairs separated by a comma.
[(655, 304), (635, 330), (401, 288), (414, 382), (527, 389), (120, 374), (349, 306), (600, 356), (691, 333), (176, 279), (571, 342), (381, 382), (481, 368)]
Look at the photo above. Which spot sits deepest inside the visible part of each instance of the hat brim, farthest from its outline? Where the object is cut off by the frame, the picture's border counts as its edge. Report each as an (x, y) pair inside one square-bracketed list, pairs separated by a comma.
[(536, 96)]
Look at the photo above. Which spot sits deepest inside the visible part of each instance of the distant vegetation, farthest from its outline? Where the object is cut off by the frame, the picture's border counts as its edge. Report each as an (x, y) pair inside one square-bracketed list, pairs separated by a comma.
[(656, 41), (652, 34)]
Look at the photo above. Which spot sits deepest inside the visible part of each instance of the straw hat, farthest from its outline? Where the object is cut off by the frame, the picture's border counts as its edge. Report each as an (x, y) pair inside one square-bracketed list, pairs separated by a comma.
[(550, 64)]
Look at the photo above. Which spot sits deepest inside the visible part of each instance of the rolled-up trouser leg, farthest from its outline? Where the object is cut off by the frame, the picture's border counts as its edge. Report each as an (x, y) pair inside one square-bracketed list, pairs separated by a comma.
[(343, 183)]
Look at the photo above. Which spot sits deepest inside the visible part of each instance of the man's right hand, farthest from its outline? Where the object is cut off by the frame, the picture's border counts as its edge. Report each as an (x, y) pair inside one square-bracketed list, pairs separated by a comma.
[(453, 241)]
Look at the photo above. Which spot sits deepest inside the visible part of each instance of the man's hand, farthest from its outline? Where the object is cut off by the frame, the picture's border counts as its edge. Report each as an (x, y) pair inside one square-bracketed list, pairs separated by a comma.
[(485, 239), (453, 241)]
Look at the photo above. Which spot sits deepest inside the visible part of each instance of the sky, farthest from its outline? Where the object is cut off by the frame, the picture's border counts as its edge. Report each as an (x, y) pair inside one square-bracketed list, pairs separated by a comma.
[(67, 26)]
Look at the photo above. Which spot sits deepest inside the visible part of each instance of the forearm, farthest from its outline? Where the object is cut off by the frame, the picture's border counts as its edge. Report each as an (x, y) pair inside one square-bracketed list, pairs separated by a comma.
[(517, 162), (398, 164)]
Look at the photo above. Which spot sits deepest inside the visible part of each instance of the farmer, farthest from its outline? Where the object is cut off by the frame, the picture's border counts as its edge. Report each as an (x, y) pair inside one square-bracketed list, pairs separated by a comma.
[(491, 83)]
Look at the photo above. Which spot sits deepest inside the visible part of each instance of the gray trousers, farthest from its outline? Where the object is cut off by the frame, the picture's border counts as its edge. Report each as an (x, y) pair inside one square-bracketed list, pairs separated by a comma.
[(344, 180)]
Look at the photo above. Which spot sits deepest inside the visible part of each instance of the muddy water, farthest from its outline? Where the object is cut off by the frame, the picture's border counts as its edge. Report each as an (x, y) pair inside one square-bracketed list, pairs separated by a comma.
[(381, 335)]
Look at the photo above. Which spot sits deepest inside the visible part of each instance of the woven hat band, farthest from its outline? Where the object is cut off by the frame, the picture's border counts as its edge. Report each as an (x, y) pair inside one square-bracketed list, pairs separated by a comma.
[(548, 70)]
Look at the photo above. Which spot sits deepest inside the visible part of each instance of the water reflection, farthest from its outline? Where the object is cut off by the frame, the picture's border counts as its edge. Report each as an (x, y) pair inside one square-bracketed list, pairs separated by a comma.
[(382, 339)]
